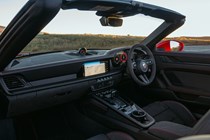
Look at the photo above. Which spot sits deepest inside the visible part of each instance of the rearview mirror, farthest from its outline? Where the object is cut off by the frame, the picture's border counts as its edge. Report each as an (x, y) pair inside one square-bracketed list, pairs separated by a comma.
[(111, 21), (170, 46)]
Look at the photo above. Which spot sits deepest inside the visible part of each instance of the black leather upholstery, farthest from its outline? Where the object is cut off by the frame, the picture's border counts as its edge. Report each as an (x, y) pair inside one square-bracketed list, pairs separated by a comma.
[(112, 136), (171, 111), (203, 125), (169, 130), (174, 121)]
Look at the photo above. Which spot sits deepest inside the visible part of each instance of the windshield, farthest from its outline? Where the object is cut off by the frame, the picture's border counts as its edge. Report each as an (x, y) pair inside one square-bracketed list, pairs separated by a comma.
[(73, 29)]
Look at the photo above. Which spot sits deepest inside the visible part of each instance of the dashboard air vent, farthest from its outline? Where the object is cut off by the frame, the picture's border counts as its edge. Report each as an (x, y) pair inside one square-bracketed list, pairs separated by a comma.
[(106, 65), (13, 82)]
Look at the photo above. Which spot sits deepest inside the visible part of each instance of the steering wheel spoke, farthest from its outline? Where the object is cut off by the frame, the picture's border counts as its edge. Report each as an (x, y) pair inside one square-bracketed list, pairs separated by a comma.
[(144, 78), (134, 65), (149, 62)]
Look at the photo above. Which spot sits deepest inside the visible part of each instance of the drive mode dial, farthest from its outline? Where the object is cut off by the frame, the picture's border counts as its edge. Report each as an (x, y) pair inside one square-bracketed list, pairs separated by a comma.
[(124, 57)]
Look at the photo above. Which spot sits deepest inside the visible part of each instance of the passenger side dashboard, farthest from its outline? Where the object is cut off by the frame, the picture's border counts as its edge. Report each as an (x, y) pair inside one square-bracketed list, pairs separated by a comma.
[(31, 88)]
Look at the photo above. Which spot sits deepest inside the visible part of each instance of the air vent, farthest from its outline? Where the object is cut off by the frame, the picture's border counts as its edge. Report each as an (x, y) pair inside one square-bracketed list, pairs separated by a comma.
[(106, 65), (13, 82)]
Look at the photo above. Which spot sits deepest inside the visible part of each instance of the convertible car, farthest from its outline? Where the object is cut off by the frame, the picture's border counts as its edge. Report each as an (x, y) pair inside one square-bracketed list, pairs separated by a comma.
[(147, 91)]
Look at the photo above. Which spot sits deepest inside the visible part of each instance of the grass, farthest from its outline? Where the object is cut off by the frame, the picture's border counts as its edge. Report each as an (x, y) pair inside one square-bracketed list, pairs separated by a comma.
[(53, 42)]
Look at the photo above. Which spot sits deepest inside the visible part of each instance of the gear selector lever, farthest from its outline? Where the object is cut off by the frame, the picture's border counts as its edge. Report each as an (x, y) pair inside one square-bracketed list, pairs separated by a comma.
[(139, 115)]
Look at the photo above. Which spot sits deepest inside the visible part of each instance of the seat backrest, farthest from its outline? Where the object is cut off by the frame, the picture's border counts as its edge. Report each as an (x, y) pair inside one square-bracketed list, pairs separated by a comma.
[(203, 125), (196, 137)]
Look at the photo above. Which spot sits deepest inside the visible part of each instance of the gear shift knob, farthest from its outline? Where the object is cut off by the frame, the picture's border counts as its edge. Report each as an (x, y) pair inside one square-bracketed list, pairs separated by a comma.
[(139, 115)]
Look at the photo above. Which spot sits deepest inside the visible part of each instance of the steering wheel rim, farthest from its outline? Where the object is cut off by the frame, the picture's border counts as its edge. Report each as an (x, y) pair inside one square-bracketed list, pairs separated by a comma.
[(142, 71)]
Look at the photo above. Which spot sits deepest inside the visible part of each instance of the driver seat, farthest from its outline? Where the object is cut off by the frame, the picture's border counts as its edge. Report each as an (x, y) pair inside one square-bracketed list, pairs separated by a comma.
[(171, 111)]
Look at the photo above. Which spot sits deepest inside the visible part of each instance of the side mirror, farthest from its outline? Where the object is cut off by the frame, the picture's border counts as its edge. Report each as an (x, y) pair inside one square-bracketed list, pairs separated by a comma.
[(111, 21), (170, 46)]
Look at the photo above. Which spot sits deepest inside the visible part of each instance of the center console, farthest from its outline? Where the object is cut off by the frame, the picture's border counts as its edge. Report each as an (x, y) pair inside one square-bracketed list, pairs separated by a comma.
[(126, 108)]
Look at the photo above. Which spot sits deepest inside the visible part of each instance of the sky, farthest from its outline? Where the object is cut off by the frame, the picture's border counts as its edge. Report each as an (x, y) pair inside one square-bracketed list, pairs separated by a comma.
[(75, 22)]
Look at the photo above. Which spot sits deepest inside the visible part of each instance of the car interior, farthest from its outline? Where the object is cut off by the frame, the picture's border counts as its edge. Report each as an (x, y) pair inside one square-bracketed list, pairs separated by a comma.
[(137, 92)]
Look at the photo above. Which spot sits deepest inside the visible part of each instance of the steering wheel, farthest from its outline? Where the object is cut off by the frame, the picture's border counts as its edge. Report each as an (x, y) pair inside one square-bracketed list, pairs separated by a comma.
[(141, 65)]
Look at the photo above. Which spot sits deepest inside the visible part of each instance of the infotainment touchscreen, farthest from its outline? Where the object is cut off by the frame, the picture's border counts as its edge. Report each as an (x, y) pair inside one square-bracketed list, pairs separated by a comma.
[(94, 68)]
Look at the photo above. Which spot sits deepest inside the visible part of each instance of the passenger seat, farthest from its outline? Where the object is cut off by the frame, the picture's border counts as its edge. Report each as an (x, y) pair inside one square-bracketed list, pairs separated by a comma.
[(115, 135), (171, 111)]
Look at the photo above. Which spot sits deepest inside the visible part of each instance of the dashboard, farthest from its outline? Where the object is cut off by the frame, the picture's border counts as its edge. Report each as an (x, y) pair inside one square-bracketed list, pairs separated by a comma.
[(39, 81)]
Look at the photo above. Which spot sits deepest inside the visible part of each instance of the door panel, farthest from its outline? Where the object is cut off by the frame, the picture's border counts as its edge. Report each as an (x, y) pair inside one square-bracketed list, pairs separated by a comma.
[(186, 75)]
